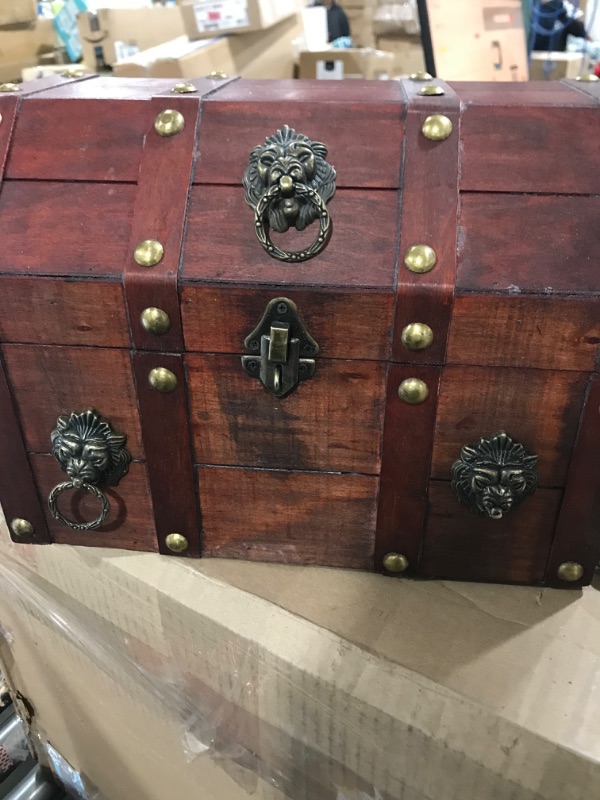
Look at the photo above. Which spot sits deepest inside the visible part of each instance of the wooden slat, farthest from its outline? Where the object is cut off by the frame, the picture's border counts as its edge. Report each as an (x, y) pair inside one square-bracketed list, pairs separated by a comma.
[(512, 330), (159, 213), (360, 124), (76, 229), (331, 422), (354, 324), (578, 531), (50, 381), (289, 517), (528, 244), (165, 430), (406, 463), (460, 545), (514, 141), (67, 312), (539, 408), (129, 524), (221, 243)]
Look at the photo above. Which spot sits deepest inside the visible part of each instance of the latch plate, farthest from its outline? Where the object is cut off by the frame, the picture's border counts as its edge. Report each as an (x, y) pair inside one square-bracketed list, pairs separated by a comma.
[(279, 344)]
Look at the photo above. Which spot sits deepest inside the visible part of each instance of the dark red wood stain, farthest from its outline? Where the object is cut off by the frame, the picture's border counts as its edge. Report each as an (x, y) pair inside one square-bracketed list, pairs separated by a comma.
[(290, 517)]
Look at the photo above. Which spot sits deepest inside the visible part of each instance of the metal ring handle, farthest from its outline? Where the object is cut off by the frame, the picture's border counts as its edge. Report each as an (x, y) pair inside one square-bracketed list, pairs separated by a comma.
[(84, 526), (262, 226)]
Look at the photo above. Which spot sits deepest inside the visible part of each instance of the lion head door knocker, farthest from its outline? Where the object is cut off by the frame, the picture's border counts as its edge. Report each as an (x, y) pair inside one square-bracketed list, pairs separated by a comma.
[(92, 453), (288, 183), (494, 476)]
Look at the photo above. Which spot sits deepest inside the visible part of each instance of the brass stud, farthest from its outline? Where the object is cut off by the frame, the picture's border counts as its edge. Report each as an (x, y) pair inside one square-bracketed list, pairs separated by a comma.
[(570, 571), (420, 76), (176, 542), (169, 123), (162, 379), (417, 336), (587, 76), (74, 72), (431, 91), (22, 527), (184, 88), (0, 119), (437, 127), (395, 562), (217, 75), (148, 253), (10, 87), (420, 258), (155, 320), (413, 391)]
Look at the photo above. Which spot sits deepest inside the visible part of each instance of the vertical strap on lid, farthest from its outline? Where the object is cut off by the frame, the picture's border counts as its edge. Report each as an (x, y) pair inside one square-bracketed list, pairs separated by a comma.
[(425, 293)]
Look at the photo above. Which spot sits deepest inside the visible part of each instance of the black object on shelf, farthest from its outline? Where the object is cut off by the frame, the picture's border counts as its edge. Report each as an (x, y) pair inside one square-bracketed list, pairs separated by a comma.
[(426, 37)]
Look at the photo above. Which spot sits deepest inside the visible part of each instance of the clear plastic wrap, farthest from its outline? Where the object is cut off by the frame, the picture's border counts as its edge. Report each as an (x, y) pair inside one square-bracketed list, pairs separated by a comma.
[(396, 18)]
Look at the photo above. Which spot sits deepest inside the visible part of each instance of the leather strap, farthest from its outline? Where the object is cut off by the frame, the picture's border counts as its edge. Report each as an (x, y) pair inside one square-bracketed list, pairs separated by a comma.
[(429, 208)]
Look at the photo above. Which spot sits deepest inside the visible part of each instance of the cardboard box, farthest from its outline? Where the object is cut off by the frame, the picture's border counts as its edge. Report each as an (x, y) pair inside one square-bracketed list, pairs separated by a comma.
[(21, 48), (179, 58), (207, 18), (18, 12), (408, 53), (478, 40), (556, 66), (112, 34), (338, 64), (269, 54)]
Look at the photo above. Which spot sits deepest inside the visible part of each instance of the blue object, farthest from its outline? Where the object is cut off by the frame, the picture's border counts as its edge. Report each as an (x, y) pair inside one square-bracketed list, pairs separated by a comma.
[(65, 23)]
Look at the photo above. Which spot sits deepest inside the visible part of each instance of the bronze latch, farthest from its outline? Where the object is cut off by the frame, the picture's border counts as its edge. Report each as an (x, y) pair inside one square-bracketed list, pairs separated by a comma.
[(278, 342)]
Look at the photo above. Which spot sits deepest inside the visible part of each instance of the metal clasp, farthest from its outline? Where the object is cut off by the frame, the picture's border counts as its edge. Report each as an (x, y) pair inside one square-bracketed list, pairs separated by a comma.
[(281, 339)]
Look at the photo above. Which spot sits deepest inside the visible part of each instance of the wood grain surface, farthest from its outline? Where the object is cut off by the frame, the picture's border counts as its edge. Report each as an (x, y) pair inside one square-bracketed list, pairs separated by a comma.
[(50, 381), (539, 408), (406, 466), (67, 312), (159, 213), (429, 208), (577, 531), (73, 229), (459, 545), (221, 244), (289, 517), (360, 123), (522, 146), (164, 421), (529, 244), (331, 422), (130, 523), (512, 330), (354, 324)]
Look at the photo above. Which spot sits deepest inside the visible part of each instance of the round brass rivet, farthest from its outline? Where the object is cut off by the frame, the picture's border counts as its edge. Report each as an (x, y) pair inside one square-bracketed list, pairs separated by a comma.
[(10, 87), (421, 76), (217, 75), (395, 562), (148, 253), (417, 336), (587, 76), (162, 379), (420, 258), (184, 88), (413, 391), (431, 91), (570, 571), (155, 320), (22, 527), (73, 72), (437, 127), (169, 122), (176, 542)]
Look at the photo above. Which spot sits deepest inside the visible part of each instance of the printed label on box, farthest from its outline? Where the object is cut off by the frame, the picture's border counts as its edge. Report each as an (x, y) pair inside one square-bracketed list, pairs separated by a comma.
[(217, 16), (124, 51)]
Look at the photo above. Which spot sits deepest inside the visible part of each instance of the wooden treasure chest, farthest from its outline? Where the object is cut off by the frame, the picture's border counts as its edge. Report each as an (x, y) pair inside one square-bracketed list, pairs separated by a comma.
[(342, 323)]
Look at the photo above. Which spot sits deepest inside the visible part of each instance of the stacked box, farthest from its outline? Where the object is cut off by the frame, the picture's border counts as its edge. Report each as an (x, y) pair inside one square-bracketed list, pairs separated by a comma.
[(408, 53), (24, 47), (360, 16), (205, 19)]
